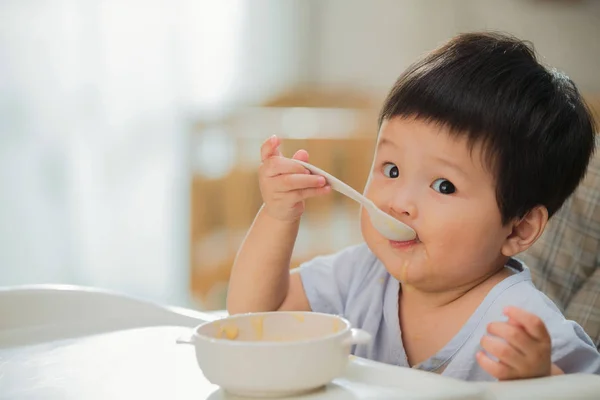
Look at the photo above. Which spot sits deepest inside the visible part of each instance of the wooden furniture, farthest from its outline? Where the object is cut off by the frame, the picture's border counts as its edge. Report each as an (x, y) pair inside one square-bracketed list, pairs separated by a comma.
[(339, 136)]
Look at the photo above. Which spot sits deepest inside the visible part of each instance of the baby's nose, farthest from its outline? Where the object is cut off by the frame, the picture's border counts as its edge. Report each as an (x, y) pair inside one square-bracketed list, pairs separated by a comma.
[(402, 203)]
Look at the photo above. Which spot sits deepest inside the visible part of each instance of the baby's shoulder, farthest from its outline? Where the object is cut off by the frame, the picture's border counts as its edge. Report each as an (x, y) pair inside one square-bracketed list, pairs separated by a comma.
[(522, 293), (356, 260)]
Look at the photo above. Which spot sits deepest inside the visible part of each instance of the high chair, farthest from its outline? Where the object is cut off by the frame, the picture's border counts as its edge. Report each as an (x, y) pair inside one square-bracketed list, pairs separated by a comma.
[(565, 261)]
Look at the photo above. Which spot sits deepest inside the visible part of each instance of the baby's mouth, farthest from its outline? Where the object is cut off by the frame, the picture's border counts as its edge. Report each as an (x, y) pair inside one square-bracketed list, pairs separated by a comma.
[(403, 243), (415, 240)]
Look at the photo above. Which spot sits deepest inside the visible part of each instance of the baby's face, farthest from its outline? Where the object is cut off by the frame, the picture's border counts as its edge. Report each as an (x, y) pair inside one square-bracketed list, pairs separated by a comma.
[(434, 183)]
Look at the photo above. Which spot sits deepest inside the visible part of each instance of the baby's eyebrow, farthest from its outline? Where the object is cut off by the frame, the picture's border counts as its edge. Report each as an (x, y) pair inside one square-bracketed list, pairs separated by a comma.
[(451, 164), (386, 142)]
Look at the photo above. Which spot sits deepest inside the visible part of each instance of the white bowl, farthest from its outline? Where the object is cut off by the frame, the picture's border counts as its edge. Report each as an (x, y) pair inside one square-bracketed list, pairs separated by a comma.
[(274, 354)]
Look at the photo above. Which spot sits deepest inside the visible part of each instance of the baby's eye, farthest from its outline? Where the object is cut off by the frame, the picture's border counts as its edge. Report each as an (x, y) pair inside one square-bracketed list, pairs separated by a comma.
[(444, 186), (390, 170)]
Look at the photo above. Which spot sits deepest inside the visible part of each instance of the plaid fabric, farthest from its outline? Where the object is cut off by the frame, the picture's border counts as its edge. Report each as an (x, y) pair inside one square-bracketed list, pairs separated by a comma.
[(565, 261)]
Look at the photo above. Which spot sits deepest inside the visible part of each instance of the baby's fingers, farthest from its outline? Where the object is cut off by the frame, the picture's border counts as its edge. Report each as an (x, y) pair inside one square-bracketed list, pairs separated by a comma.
[(514, 335), (313, 192), (496, 369), (301, 155), (291, 182), (270, 148), (531, 323), (275, 166), (504, 352)]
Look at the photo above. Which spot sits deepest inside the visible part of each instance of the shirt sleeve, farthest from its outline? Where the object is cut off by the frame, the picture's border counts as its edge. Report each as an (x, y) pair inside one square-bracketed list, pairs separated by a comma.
[(573, 350), (327, 279)]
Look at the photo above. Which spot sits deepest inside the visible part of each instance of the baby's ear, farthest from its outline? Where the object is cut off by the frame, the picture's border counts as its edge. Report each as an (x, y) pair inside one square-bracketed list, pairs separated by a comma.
[(525, 231)]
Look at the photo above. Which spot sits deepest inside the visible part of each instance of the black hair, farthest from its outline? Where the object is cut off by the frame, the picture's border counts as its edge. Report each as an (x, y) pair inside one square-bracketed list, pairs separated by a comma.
[(537, 133)]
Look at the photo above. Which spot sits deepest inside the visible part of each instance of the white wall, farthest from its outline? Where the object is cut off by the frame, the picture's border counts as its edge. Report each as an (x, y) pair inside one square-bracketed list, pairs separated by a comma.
[(368, 43), (565, 33), (97, 100)]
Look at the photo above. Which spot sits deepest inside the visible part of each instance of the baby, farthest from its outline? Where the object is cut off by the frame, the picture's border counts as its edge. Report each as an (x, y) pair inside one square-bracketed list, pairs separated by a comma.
[(478, 146)]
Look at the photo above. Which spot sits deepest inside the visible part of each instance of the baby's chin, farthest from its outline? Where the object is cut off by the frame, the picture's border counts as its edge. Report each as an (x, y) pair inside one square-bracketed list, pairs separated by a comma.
[(400, 270), (413, 271), (410, 281)]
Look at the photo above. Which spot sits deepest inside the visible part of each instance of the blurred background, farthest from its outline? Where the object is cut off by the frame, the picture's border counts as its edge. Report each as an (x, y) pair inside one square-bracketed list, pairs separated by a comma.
[(130, 130)]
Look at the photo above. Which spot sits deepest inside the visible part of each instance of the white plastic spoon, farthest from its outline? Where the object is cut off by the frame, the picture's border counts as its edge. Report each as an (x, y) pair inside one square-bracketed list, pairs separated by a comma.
[(387, 225)]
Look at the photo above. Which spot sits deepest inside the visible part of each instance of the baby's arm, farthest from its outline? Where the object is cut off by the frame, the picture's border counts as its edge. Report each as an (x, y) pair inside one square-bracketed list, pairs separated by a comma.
[(260, 277)]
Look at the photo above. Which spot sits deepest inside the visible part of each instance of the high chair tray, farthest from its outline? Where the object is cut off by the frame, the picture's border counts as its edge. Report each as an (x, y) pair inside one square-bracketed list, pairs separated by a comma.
[(147, 363)]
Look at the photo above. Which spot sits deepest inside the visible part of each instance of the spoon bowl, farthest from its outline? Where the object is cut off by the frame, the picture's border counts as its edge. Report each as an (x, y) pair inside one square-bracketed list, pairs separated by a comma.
[(387, 225)]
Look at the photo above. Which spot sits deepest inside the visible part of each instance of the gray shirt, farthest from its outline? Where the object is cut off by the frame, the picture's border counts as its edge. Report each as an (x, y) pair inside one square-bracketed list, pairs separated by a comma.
[(353, 283)]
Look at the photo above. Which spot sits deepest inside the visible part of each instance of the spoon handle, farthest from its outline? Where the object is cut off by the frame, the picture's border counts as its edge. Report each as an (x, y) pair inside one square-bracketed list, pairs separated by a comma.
[(336, 184)]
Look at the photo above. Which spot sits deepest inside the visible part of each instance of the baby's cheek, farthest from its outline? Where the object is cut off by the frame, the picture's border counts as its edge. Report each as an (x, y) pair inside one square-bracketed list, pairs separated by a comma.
[(368, 186), (369, 233), (365, 222)]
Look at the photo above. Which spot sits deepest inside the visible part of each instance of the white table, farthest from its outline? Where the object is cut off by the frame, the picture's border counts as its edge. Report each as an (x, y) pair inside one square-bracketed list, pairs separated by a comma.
[(146, 363)]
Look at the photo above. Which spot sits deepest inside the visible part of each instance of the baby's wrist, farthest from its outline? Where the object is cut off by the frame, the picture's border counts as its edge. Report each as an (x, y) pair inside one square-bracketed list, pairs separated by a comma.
[(280, 219)]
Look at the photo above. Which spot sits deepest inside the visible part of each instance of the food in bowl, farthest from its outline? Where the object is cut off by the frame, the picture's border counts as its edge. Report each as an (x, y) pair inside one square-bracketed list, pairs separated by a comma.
[(274, 353), (229, 332)]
